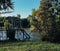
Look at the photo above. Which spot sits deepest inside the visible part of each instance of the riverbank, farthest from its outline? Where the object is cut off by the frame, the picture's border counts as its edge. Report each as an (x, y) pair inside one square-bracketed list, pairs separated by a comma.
[(30, 46)]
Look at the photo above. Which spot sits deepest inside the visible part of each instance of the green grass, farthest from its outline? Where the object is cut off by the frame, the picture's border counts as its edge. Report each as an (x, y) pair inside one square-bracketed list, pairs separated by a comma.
[(29, 46)]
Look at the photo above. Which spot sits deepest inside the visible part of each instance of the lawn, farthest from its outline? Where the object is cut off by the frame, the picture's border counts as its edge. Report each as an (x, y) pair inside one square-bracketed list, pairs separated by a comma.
[(29, 46)]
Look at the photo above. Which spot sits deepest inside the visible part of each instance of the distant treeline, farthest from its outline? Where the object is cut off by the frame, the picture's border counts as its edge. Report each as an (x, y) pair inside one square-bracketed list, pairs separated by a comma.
[(14, 22)]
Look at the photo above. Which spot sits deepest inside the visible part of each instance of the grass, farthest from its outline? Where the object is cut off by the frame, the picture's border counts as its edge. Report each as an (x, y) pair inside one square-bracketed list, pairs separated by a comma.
[(29, 46)]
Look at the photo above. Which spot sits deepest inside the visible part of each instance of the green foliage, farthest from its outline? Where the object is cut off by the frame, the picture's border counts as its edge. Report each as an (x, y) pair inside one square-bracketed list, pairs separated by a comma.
[(18, 15), (6, 24), (33, 19), (48, 20), (33, 12), (43, 17), (54, 33), (25, 23)]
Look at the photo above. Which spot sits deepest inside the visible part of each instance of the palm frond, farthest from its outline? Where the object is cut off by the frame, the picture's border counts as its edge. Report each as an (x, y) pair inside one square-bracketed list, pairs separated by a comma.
[(5, 4)]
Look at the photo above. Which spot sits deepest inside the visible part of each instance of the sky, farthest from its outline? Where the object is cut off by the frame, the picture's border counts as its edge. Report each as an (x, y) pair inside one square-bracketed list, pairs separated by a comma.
[(24, 7)]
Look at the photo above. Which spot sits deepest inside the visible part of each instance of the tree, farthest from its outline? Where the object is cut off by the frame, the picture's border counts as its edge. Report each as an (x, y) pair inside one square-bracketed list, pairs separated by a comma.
[(5, 4), (57, 24), (43, 17), (33, 20), (18, 15), (33, 12), (10, 32), (54, 14), (6, 25), (48, 15)]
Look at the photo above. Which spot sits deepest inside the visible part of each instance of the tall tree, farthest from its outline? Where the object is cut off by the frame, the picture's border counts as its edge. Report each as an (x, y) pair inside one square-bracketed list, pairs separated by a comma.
[(43, 16), (48, 15)]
